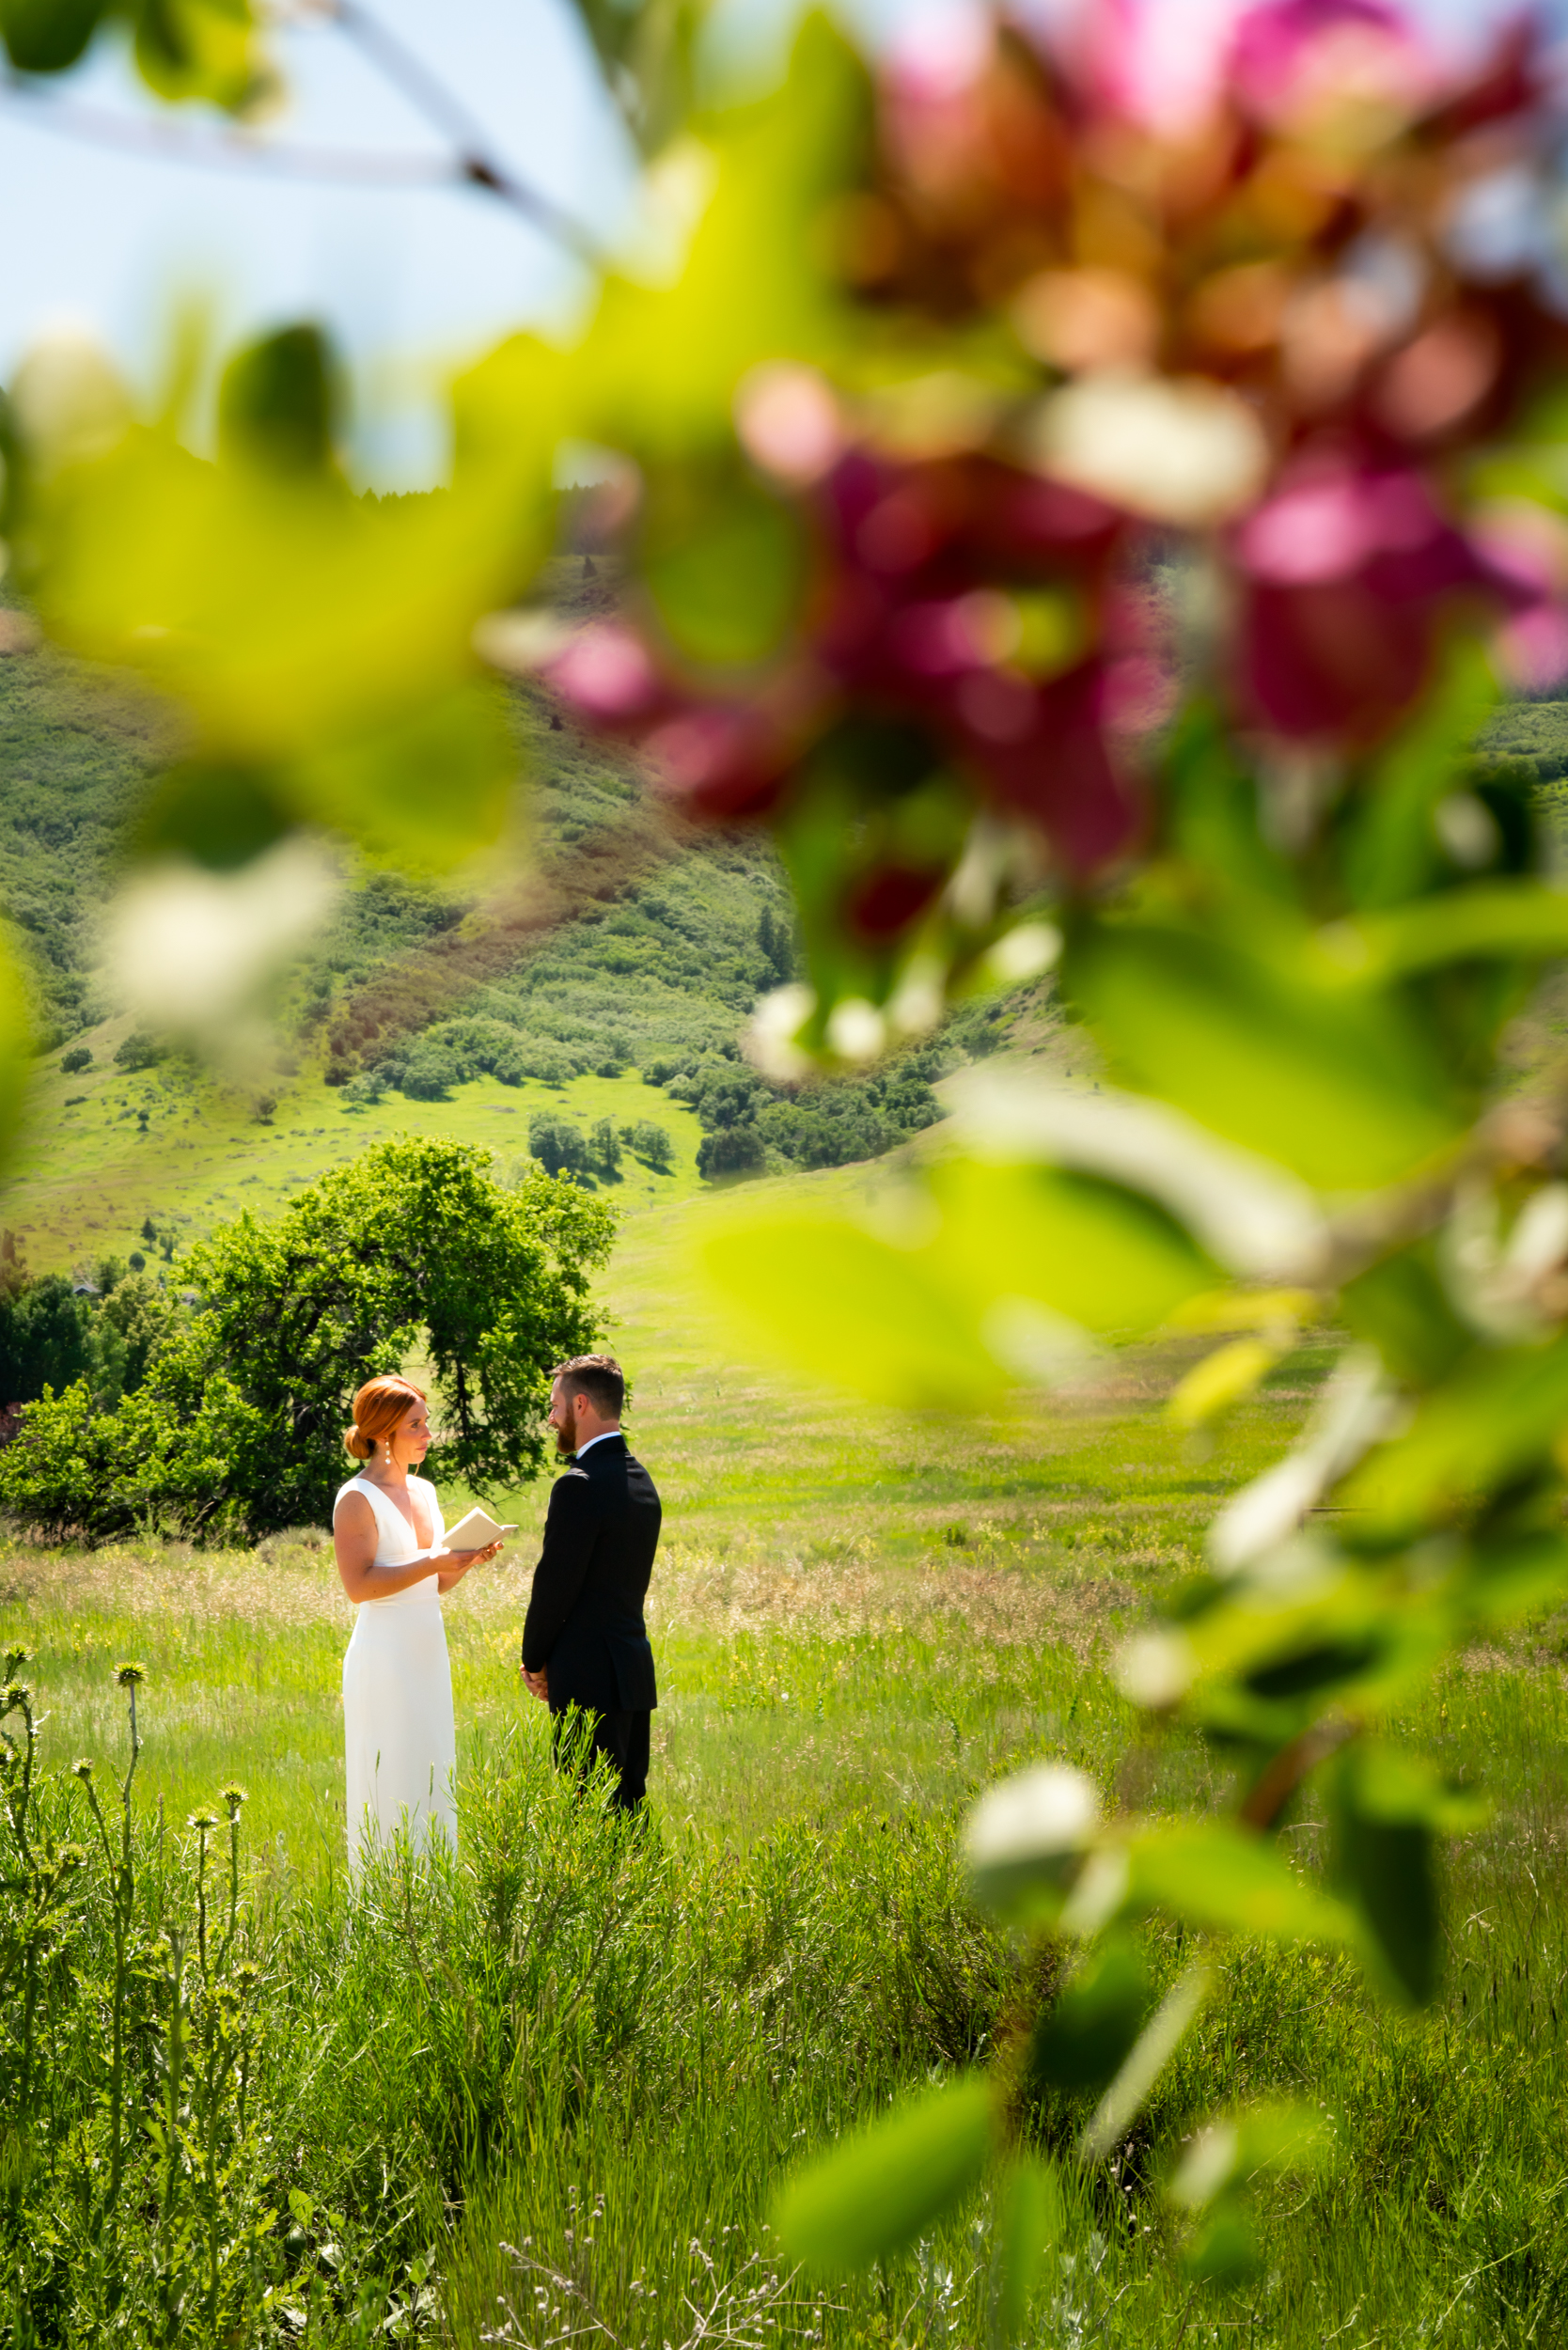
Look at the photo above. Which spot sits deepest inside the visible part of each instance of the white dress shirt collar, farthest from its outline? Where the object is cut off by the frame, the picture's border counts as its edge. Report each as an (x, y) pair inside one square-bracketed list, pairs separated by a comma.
[(602, 1436)]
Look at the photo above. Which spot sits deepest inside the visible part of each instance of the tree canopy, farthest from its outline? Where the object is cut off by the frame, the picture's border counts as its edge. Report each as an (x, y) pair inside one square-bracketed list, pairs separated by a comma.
[(412, 1253)]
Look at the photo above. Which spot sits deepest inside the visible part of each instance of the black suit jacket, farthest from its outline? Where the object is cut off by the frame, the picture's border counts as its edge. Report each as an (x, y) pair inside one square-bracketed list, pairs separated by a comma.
[(584, 1614)]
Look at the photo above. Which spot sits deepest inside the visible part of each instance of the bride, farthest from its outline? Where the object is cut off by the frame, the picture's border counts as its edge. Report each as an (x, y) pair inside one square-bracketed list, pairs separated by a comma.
[(400, 1742)]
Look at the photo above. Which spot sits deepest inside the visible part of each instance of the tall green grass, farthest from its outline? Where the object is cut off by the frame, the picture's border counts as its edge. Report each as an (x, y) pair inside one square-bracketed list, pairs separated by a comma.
[(604, 2049), (602, 2046)]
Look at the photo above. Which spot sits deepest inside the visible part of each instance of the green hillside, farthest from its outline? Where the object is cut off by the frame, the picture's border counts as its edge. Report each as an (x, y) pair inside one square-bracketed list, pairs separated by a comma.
[(609, 982)]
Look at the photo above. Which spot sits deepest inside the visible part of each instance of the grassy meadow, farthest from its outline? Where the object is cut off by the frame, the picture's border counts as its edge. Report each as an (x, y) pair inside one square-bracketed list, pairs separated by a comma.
[(602, 2051)]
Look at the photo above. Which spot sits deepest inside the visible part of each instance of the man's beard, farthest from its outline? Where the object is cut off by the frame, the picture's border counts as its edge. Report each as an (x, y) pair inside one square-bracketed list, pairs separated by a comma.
[(566, 1437)]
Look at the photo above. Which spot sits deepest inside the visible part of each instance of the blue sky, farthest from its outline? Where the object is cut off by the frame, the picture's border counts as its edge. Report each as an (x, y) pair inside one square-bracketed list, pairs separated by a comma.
[(409, 279)]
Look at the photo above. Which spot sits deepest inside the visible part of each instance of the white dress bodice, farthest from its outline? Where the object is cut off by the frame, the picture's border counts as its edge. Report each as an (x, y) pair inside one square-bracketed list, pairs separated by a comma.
[(397, 1543)]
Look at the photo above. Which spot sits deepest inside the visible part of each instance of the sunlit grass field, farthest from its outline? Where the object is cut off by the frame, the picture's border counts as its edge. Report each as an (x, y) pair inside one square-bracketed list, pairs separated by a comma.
[(860, 1619)]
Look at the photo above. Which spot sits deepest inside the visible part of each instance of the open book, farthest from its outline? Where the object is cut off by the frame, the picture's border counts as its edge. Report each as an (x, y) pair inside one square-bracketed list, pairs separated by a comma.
[(473, 1531)]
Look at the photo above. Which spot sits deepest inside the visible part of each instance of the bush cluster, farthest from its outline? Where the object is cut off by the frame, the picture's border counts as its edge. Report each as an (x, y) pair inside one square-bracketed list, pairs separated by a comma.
[(751, 1126), (100, 1330), (562, 1148)]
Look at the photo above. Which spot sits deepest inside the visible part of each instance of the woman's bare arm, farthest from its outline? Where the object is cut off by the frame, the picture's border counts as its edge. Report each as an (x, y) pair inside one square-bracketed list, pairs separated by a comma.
[(355, 1536)]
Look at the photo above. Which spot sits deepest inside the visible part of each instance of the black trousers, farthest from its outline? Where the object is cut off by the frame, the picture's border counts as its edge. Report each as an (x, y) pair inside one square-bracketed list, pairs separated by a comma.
[(624, 1739)]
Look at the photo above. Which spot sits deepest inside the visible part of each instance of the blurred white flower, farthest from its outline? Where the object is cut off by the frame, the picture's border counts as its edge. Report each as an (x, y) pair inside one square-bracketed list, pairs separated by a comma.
[(788, 422), (522, 641), (775, 1025), (1034, 1343), (856, 1029), (1022, 954), (1184, 451), (1156, 1669), (187, 948), (1052, 1810), (1356, 1407), (69, 402)]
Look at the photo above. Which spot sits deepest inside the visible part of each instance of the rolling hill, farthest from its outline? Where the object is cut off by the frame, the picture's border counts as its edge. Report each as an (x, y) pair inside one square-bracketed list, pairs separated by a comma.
[(609, 979)]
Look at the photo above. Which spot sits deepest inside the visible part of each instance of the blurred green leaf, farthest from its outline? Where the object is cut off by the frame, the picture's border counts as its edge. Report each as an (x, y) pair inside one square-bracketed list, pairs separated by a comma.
[(1496, 1416), (1103, 1256), (1402, 1305), (647, 51), (220, 817), (656, 372), (319, 642), (1234, 2148), (948, 1317), (199, 49), (1392, 849), (1222, 1379), (1347, 1095), (1083, 2040), (724, 563), (277, 403), (836, 1302), (1382, 1821), (1029, 2229), (1214, 1874), (47, 36), (1144, 2063), (885, 2184), (1223, 2253), (428, 785), (1495, 918), (1508, 1578), (1211, 803)]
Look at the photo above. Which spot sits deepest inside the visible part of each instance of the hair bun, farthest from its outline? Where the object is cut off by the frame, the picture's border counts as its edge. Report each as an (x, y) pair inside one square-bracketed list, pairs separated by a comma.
[(360, 1447)]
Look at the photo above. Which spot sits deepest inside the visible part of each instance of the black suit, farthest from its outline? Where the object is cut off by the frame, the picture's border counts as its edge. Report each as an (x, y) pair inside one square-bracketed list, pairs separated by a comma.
[(585, 1615)]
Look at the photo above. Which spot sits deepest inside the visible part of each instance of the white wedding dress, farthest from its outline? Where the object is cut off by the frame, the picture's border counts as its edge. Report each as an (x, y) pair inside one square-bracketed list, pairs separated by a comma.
[(399, 1733)]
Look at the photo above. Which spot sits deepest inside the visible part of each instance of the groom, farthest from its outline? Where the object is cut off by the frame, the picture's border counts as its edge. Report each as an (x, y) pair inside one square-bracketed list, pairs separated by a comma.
[(583, 1640)]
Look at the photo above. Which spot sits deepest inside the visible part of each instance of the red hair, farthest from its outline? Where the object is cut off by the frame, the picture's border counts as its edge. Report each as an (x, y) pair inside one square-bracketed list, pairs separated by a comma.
[(378, 1407)]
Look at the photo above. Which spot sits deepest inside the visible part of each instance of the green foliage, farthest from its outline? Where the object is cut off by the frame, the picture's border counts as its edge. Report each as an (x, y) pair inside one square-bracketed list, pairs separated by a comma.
[(237, 1419), (139, 1051), (750, 1124), (885, 2187), (1339, 1020)]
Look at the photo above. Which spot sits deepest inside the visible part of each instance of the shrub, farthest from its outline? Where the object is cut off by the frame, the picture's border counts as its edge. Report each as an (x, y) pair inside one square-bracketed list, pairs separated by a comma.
[(429, 1071), (731, 1150), (651, 1143), (557, 1145), (140, 1051), (78, 1059), (45, 1340), (604, 1148)]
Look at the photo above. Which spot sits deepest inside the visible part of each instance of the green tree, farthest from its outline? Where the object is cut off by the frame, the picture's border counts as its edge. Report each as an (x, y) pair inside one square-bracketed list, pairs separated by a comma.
[(650, 1143), (45, 1338), (237, 1425), (604, 1148), (557, 1145), (731, 1150)]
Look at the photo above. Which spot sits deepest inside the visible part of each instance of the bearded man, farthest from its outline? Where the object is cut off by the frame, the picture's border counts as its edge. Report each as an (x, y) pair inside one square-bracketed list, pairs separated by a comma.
[(585, 1643)]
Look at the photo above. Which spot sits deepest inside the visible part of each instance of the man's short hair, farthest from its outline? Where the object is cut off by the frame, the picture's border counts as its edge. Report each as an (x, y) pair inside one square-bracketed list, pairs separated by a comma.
[(597, 1376)]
